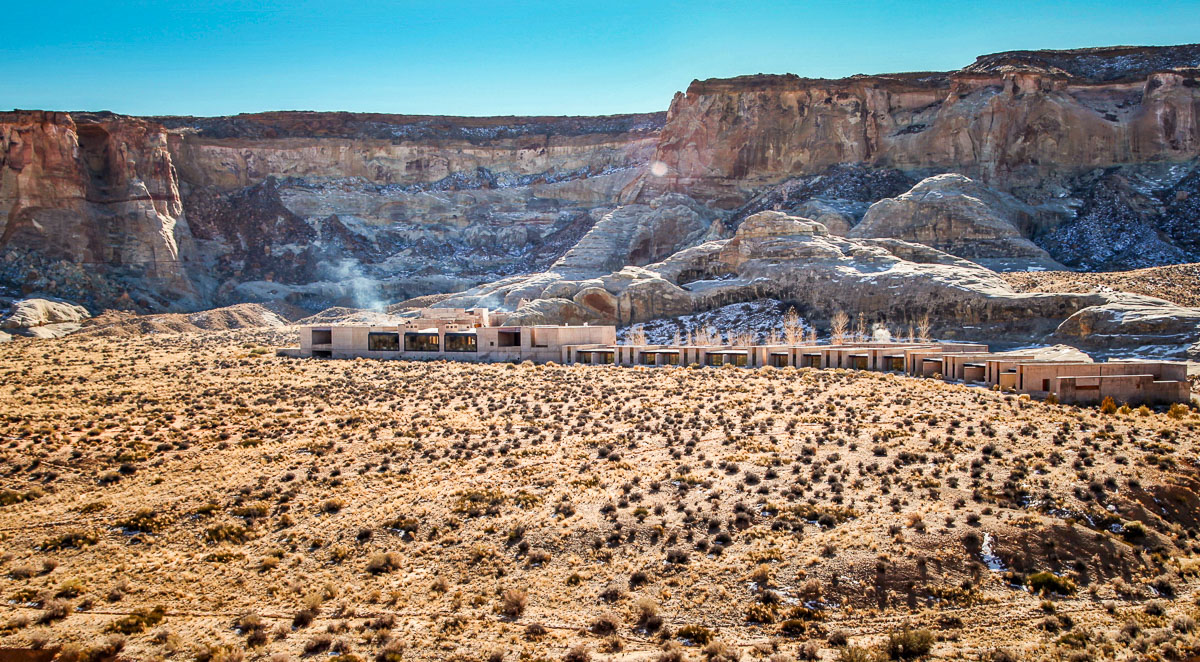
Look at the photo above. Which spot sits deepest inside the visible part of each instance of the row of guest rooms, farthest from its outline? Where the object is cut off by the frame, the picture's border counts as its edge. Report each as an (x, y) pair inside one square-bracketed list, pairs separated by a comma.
[(1078, 382)]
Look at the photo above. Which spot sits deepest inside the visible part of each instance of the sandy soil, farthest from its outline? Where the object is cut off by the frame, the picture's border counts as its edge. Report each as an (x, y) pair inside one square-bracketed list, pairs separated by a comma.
[(1179, 283), (276, 508)]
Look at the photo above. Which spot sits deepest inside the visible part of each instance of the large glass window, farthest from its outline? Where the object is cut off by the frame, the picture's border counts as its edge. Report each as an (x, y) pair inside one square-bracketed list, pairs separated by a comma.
[(461, 342), (606, 358), (583, 357), (670, 358), (714, 359), (647, 358), (383, 342), (421, 342), (739, 360), (322, 336)]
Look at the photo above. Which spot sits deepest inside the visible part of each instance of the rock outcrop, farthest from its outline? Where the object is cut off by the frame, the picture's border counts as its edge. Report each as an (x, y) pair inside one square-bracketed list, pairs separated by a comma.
[(787, 258), (958, 215), (42, 318)]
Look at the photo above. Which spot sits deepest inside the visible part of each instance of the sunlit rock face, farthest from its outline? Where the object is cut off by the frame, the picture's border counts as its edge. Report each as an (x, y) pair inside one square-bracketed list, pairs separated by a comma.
[(1086, 159), (1011, 120), (97, 207)]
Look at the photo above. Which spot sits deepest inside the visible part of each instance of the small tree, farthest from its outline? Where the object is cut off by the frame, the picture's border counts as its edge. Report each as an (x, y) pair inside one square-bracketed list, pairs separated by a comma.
[(1108, 406), (837, 327), (923, 328), (860, 329), (677, 341), (793, 327)]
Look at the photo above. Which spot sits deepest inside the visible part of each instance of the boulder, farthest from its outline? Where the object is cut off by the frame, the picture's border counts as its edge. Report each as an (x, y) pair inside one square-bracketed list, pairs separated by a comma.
[(961, 216), (29, 313)]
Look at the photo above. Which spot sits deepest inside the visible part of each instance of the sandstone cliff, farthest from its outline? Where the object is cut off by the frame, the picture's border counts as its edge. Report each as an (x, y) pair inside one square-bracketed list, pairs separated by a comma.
[(1080, 158)]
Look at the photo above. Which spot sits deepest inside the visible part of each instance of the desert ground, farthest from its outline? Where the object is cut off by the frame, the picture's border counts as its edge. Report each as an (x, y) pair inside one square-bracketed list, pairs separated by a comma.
[(1177, 283), (191, 496)]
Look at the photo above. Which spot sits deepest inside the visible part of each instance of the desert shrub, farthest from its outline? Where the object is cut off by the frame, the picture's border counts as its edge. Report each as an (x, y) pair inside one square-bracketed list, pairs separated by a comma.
[(855, 654), (719, 651), (672, 652), (75, 539), (838, 638), (54, 610), (392, 652), (1046, 581), (11, 497), (696, 635), (604, 625), (648, 619), (331, 506), (231, 533), (138, 621), (513, 602), (382, 562), (220, 653), (318, 644), (1178, 410), (535, 631), (144, 521), (578, 653), (909, 644), (1108, 406)]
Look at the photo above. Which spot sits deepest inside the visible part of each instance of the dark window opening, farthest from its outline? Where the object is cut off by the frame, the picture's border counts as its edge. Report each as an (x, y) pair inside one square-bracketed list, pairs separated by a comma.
[(583, 357), (1045, 384), (714, 359), (421, 342), (322, 354), (509, 338), (461, 342), (739, 360), (322, 336), (779, 360), (605, 358), (812, 360), (383, 342), (648, 358), (670, 358)]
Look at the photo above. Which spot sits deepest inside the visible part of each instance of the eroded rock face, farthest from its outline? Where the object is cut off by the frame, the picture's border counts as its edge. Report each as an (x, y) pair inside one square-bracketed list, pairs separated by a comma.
[(958, 215), (787, 258), (93, 206), (1008, 120), (101, 193)]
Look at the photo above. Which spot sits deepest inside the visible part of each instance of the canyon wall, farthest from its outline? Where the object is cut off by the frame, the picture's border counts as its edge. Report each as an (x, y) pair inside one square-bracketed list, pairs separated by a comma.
[(1082, 158), (1018, 121)]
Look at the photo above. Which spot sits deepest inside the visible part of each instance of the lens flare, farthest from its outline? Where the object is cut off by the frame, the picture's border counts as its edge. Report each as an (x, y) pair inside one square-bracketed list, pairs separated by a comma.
[(658, 168)]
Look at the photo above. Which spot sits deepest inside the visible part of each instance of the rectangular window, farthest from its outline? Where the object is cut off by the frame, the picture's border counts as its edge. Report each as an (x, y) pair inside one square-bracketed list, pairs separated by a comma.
[(421, 342), (583, 357), (648, 358), (509, 338), (739, 360), (1045, 384), (607, 358), (383, 342), (714, 359), (779, 360), (322, 336), (670, 358), (461, 342)]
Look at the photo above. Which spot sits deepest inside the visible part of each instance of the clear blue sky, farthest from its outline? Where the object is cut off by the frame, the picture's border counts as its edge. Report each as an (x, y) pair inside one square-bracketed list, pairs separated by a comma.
[(505, 58)]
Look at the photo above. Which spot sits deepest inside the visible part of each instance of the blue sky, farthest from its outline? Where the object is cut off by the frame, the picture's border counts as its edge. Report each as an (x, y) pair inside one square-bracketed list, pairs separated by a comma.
[(509, 58)]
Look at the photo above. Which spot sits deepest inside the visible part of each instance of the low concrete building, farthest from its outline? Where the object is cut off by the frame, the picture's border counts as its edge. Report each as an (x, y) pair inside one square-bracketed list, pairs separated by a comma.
[(468, 335)]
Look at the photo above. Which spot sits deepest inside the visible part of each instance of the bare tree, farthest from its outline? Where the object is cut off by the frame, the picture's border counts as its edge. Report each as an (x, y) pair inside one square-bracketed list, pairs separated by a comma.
[(860, 329), (637, 335), (837, 327), (923, 328), (773, 337), (910, 337), (677, 341), (793, 327), (742, 338)]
